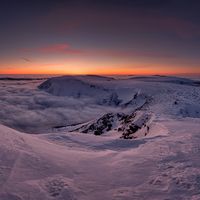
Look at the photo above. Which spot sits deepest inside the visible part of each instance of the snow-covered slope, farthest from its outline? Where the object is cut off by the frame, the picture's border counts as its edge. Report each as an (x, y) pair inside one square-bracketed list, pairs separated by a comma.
[(166, 79), (71, 86), (148, 149), (105, 90), (127, 126), (72, 165), (159, 94), (82, 87)]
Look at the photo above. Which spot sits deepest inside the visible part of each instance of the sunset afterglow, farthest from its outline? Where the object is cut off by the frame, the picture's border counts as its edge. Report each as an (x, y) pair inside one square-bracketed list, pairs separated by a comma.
[(112, 37)]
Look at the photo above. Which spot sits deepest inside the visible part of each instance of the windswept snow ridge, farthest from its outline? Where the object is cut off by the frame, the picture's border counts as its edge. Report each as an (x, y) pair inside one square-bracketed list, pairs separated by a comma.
[(70, 86), (82, 87), (172, 96), (145, 144), (112, 92), (105, 91), (72, 165), (131, 126), (167, 79)]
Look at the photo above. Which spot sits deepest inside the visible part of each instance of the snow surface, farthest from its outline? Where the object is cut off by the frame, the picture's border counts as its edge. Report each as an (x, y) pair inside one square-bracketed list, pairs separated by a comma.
[(71, 162)]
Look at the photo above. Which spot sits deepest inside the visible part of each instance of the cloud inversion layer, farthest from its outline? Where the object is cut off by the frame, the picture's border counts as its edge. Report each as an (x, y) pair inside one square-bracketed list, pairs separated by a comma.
[(26, 108)]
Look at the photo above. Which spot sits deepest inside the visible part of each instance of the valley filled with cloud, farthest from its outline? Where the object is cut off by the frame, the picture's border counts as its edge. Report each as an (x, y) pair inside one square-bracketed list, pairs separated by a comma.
[(95, 137)]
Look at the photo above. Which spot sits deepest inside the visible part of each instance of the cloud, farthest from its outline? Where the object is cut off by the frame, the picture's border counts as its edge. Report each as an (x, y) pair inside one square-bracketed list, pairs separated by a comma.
[(28, 60), (124, 54), (54, 48), (64, 49), (11, 68), (44, 64), (51, 64), (26, 108), (164, 15), (183, 28)]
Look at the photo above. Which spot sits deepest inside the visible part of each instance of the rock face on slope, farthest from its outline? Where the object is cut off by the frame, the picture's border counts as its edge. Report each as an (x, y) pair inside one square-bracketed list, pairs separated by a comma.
[(129, 126), (101, 125)]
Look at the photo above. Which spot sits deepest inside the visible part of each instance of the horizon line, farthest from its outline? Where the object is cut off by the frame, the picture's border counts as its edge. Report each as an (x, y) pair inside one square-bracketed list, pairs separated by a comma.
[(152, 74)]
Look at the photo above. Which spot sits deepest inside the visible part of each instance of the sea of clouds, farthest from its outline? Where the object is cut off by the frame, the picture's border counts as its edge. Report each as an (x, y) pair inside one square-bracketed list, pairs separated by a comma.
[(26, 108)]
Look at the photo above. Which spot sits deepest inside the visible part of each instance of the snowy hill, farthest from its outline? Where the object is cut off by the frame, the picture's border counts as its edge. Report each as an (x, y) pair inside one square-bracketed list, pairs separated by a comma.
[(167, 79), (98, 87), (103, 138), (72, 165), (70, 86), (159, 94)]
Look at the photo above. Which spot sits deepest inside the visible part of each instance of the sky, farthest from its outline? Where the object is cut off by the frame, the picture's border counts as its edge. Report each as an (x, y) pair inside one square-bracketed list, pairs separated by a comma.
[(100, 37)]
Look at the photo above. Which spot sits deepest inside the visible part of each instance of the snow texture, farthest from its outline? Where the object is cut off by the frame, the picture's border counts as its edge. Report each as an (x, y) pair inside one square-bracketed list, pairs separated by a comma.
[(147, 146)]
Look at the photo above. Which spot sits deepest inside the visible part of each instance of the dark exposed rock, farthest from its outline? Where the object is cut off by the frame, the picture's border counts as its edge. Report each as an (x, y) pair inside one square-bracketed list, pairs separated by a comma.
[(101, 125), (109, 127), (119, 129), (134, 128), (127, 124), (98, 132)]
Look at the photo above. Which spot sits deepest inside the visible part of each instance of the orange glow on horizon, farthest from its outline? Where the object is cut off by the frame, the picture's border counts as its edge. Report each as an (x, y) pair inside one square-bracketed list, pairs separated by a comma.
[(83, 68), (117, 72)]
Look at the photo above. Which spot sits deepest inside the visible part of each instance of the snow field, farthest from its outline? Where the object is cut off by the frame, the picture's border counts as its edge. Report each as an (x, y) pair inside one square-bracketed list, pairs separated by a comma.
[(156, 158)]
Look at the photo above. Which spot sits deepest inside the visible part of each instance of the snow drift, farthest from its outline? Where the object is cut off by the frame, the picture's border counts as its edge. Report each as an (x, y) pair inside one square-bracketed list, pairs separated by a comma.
[(146, 148), (105, 90)]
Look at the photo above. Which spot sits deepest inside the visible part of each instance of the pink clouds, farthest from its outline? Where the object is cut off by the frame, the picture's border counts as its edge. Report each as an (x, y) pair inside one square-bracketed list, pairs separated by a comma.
[(11, 68), (65, 49), (51, 64), (124, 54), (54, 48), (63, 19), (27, 59), (183, 28), (44, 64)]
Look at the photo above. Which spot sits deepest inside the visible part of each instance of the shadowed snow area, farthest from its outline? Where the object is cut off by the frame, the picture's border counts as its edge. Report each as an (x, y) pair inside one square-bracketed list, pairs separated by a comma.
[(164, 94), (83, 166), (167, 79), (93, 86), (100, 138)]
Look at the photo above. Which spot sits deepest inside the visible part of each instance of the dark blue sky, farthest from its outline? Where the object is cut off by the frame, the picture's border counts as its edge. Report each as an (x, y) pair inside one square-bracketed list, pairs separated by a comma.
[(102, 37)]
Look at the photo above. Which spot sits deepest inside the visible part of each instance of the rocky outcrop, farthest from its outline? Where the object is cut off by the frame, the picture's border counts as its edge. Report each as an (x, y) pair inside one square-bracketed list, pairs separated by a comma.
[(126, 124)]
